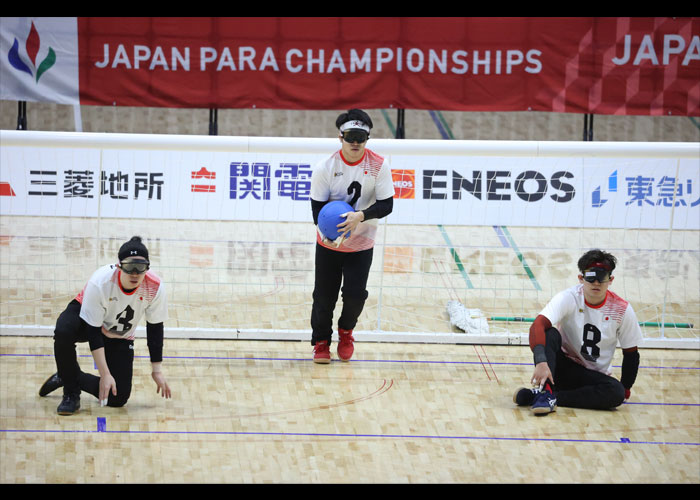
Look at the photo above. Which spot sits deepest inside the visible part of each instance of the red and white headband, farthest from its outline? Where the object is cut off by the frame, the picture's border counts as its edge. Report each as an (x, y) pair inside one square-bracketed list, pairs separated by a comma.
[(356, 124)]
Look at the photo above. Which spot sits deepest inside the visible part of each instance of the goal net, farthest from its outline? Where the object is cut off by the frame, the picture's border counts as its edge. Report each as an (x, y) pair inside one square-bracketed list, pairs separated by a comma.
[(482, 235)]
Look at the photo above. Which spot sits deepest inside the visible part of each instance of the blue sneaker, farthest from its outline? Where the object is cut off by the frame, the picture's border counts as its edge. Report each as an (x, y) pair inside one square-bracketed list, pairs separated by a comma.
[(525, 396), (544, 403)]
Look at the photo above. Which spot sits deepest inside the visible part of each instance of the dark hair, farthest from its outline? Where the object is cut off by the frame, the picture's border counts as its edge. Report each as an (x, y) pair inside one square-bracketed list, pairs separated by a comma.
[(133, 247), (354, 114), (593, 256)]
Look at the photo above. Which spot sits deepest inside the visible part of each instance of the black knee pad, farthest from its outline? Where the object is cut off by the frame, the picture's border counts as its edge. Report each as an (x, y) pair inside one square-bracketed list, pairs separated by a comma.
[(324, 300), (617, 394), (118, 401), (356, 296)]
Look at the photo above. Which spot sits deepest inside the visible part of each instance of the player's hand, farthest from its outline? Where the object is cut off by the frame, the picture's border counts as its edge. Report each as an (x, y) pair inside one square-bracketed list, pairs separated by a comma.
[(352, 220), (541, 375), (628, 393), (163, 387), (339, 240), (107, 385), (336, 242)]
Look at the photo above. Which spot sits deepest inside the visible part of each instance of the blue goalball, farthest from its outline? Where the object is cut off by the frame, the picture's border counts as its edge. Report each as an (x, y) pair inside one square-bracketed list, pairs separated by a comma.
[(329, 217)]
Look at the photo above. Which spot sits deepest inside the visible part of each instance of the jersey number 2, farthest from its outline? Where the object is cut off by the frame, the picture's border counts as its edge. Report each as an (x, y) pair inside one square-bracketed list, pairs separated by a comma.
[(355, 187), (591, 338)]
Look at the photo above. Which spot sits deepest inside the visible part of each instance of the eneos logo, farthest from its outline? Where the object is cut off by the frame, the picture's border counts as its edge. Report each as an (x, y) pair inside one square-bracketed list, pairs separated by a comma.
[(404, 183), (31, 46)]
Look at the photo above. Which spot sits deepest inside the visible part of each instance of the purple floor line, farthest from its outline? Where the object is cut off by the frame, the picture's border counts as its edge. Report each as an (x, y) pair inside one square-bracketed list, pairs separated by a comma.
[(386, 436), (235, 358)]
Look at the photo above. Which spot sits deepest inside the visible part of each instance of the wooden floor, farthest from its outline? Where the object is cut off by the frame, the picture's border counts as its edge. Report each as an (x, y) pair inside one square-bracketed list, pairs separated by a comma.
[(263, 412)]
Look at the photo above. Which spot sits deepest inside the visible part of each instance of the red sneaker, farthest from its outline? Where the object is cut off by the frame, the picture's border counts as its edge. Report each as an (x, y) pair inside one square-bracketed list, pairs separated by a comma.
[(345, 344), (322, 352)]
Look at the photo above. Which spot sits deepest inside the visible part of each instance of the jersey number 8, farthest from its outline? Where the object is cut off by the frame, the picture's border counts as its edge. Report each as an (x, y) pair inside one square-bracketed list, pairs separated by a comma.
[(591, 338)]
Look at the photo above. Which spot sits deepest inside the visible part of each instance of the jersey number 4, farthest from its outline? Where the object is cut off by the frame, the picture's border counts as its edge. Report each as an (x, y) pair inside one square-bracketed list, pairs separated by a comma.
[(591, 339)]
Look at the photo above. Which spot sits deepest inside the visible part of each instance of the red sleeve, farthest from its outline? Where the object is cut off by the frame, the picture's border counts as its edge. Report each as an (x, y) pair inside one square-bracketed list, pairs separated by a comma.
[(537, 330)]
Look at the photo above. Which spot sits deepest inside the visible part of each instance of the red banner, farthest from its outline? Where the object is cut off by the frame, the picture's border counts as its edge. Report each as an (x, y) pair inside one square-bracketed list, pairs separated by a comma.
[(619, 66)]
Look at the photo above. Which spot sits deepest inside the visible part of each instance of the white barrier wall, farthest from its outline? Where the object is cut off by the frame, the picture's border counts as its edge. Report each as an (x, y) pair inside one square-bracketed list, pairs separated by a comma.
[(515, 183)]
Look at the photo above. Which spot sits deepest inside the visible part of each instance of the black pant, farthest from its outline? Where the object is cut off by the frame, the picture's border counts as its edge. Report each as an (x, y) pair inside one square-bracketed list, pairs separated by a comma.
[(72, 329), (332, 268), (575, 385)]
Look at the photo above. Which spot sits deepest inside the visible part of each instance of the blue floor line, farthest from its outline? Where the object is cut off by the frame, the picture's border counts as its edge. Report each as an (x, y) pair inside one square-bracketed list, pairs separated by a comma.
[(374, 436)]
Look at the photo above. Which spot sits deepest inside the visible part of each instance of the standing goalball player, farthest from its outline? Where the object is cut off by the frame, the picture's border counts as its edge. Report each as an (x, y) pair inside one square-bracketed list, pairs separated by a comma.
[(573, 341), (105, 315), (363, 179)]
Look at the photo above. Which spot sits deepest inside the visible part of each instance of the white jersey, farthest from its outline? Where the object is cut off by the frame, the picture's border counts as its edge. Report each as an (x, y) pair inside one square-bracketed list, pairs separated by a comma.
[(360, 184), (590, 334), (105, 304)]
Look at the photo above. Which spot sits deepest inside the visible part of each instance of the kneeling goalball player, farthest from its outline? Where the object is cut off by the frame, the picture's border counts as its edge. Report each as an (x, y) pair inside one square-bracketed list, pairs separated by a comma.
[(105, 315), (573, 341)]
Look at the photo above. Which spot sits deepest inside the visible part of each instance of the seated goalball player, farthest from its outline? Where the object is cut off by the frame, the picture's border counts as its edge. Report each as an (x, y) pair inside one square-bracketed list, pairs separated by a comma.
[(105, 315), (573, 341)]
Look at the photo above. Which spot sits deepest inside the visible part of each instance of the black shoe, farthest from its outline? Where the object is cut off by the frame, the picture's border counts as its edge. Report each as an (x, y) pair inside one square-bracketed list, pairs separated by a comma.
[(52, 383), (69, 405)]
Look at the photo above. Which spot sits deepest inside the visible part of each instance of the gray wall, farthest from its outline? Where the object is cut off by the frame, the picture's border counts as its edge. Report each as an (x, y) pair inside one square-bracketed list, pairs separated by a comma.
[(418, 124)]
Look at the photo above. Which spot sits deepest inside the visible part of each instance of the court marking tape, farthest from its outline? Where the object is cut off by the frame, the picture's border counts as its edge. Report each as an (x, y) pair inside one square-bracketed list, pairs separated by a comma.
[(695, 121), (389, 123), (502, 231), (342, 435), (398, 361), (102, 421), (441, 124), (455, 257), (508, 242)]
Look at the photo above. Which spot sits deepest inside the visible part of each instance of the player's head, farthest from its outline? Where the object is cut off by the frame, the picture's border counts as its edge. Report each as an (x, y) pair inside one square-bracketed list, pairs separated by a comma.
[(133, 256), (597, 265), (354, 126)]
